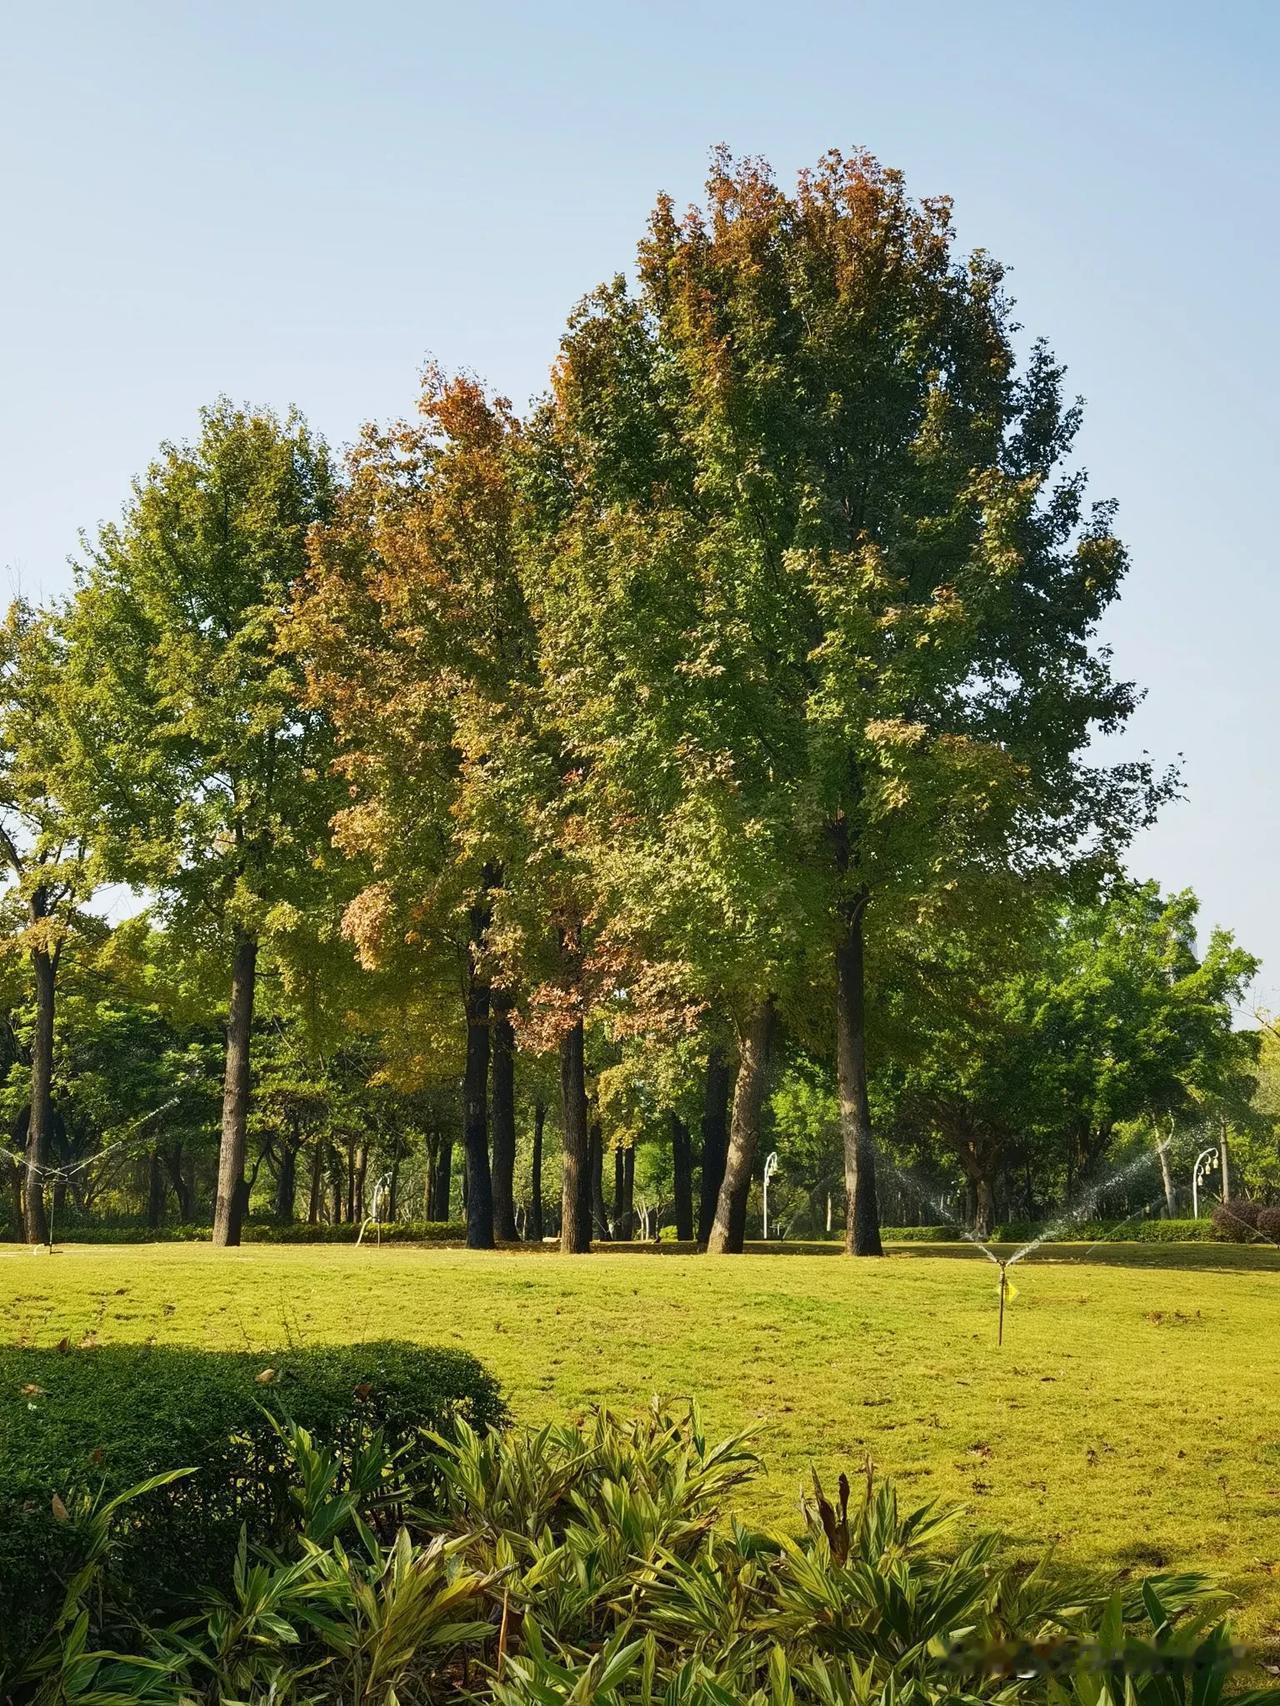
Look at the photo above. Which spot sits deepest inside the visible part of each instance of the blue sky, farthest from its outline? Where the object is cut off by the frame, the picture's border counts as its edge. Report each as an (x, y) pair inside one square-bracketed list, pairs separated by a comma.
[(298, 203)]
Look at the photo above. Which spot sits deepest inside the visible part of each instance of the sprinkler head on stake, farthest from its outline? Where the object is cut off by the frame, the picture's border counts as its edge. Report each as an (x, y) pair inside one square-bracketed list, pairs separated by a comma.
[(1004, 1287)]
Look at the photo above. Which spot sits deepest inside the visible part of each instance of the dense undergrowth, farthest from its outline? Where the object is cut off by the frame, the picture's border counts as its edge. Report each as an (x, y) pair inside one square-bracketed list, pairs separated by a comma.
[(593, 1563)]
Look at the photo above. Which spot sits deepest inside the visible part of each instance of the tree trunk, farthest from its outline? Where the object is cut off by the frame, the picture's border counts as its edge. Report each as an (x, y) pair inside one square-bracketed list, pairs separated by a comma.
[(1166, 1177), (359, 1177), (393, 1188), (1224, 1163), (189, 1197), (441, 1179), (475, 1116), (728, 1230), (229, 1207), (287, 1183), (682, 1169), (629, 1191), (715, 1138), (313, 1195), (620, 1192), (15, 1169), (535, 1181), (504, 1120), (40, 1131), (595, 1157), (984, 1211), (575, 1196), (862, 1210), (335, 1186), (155, 1191)]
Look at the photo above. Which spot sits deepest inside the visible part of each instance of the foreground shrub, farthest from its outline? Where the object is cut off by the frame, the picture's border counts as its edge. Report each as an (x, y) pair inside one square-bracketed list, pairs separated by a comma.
[(80, 1426), (590, 1564)]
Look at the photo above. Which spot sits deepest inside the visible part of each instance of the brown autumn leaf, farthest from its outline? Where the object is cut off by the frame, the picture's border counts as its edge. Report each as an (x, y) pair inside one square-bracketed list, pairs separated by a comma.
[(60, 1511), (31, 1390), (266, 1377)]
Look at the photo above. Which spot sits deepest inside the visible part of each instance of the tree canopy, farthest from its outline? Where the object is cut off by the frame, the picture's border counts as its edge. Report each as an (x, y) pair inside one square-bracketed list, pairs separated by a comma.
[(707, 761)]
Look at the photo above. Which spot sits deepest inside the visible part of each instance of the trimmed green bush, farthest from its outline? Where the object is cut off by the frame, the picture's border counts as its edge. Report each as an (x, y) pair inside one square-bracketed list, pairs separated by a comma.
[(1081, 1232), (397, 1232), (98, 1421), (262, 1232)]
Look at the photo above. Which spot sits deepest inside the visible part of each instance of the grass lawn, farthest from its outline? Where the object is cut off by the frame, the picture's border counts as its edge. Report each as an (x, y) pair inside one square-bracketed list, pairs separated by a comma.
[(1132, 1416)]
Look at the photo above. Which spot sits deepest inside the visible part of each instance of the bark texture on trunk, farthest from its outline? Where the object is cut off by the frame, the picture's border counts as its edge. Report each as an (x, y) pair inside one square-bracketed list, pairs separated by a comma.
[(535, 1182), (715, 1138), (229, 1205), (475, 1117), (862, 1208), (503, 1114), (728, 1230), (595, 1167), (629, 1192), (40, 1131), (575, 1211), (682, 1171)]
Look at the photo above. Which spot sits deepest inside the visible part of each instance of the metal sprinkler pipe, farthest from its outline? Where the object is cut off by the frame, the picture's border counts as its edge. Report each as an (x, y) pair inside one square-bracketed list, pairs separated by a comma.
[(1004, 1286)]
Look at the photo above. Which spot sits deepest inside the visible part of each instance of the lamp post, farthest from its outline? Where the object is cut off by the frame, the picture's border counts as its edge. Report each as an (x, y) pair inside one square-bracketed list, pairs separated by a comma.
[(1206, 1162), (770, 1168)]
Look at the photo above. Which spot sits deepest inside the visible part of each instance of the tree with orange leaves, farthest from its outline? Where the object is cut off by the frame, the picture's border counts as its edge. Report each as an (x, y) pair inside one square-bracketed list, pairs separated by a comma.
[(418, 645)]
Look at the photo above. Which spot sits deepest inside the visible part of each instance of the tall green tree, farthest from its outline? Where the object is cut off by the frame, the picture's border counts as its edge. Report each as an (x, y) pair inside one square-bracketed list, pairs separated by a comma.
[(209, 774), (814, 437), (52, 867), (1038, 1037)]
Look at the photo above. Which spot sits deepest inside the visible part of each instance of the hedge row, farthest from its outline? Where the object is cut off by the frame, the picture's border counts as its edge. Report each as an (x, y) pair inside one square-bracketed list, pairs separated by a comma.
[(260, 1232), (80, 1422), (1080, 1232)]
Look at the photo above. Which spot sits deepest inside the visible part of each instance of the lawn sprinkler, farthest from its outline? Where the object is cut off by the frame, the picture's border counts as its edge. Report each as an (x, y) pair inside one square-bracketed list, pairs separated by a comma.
[(1008, 1291)]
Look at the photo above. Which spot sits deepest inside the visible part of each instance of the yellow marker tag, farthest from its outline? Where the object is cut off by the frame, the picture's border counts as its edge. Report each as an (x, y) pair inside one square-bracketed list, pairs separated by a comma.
[(1010, 1290)]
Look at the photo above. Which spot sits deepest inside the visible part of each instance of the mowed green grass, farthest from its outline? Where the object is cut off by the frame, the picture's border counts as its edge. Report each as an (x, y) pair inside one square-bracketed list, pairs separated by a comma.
[(1132, 1417)]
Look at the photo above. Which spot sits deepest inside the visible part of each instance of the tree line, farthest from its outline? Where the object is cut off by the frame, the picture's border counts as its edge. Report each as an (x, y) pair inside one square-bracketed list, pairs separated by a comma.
[(712, 749)]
